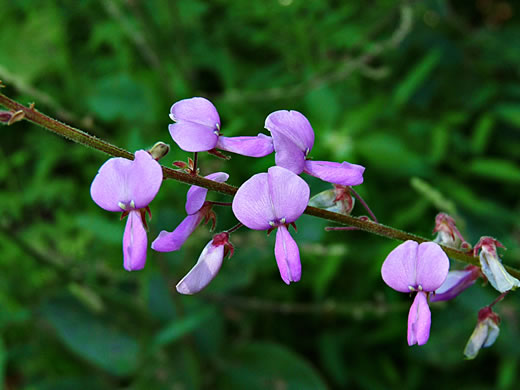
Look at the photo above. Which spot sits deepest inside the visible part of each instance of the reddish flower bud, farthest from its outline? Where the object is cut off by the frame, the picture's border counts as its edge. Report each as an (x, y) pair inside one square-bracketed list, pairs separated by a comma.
[(485, 333)]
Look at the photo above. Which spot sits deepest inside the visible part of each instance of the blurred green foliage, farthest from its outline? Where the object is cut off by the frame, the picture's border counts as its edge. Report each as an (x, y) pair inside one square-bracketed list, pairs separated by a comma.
[(426, 95)]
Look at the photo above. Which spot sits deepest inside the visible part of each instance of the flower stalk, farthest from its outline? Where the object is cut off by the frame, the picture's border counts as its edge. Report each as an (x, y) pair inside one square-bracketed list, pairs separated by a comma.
[(81, 137)]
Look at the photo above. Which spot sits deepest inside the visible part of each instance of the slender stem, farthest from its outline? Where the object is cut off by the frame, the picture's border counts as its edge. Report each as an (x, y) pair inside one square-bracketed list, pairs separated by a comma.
[(220, 203), (235, 228), (84, 138), (195, 160), (365, 205), (499, 298), (340, 228)]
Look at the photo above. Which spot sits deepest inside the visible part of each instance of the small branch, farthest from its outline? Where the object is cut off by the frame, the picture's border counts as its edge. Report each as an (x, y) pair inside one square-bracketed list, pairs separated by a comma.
[(499, 298), (363, 203), (235, 228), (214, 203), (340, 228), (84, 138)]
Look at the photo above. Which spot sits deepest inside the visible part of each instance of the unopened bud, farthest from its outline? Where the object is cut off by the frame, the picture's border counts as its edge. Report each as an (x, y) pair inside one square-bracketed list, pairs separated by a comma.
[(337, 200), (485, 333), (448, 234), (10, 117), (159, 150), (492, 266), (207, 266)]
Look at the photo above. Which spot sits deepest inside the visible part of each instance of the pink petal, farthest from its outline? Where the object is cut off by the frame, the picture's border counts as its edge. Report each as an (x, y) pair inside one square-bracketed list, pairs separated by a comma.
[(193, 137), (293, 125), (196, 195), (121, 182), (287, 154), (289, 194), (432, 266), (455, 283), (344, 174), (252, 203), (135, 243), (196, 110), (204, 271), (398, 270), (419, 320), (258, 146), (172, 241), (267, 199), (287, 256)]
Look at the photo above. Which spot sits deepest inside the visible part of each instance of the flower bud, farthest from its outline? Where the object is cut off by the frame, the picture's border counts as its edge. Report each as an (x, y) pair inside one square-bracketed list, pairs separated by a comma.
[(492, 266), (10, 117), (447, 232), (207, 266), (159, 150), (485, 333), (337, 200)]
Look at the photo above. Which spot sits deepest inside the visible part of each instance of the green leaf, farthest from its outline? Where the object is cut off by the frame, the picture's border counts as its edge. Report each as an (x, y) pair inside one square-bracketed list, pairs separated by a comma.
[(87, 296), (159, 298), (118, 97), (3, 360), (507, 373), (510, 113), (268, 366), (416, 77), (180, 327), (482, 132), (91, 338), (106, 228), (433, 195), (496, 169), (389, 154)]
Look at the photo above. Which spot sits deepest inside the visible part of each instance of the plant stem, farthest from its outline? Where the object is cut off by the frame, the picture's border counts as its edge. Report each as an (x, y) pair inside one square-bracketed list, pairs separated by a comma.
[(76, 135), (363, 203), (499, 298)]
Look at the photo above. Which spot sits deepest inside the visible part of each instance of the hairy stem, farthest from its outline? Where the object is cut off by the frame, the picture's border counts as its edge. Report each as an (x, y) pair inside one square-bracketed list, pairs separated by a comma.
[(76, 135)]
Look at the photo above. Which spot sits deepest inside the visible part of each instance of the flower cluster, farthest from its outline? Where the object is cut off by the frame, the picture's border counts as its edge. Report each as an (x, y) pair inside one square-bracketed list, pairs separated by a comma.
[(274, 200), (267, 201)]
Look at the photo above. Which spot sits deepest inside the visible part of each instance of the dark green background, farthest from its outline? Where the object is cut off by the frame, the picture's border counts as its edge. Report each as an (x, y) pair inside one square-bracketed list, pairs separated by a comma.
[(424, 94)]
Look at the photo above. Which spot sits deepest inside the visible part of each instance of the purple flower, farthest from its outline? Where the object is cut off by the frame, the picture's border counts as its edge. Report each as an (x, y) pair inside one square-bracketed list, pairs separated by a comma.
[(273, 200), (455, 283), (293, 139), (197, 129), (416, 267), (197, 209), (129, 186), (207, 266)]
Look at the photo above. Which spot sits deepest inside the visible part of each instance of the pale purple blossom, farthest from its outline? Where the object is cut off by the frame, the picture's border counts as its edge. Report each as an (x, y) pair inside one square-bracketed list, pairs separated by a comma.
[(128, 186), (273, 200), (197, 209), (421, 268), (293, 139), (197, 129), (456, 282), (207, 266)]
